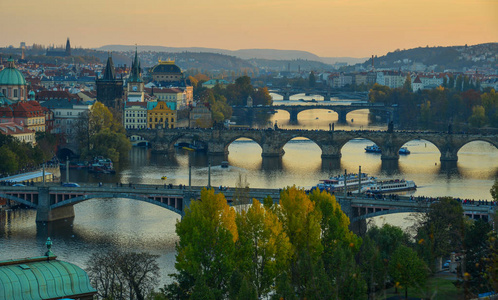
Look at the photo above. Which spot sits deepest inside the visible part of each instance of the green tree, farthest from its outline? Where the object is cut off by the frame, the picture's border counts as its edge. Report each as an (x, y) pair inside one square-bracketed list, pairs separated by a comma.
[(340, 247), (206, 250), (478, 117), (9, 161), (407, 269), (311, 79), (476, 253), (440, 230), (408, 83), (490, 103), (263, 248), (494, 191), (99, 134)]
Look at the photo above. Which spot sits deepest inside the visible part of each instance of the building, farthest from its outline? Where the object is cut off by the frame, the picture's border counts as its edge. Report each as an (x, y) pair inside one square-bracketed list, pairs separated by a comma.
[(200, 117), (18, 132), (66, 113), (43, 277), (135, 115), (60, 52), (12, 83), (159, 115), (166, 72), (175, 98), (213, 82), (109, 87), (135, 83), (29, 114)]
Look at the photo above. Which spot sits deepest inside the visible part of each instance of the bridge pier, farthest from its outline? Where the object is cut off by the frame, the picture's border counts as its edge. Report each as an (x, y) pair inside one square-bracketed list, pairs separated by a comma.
[(331, 152), (286, 96), (450, 155), (326, 97), (293, 115), (45, 214), (342, 116)]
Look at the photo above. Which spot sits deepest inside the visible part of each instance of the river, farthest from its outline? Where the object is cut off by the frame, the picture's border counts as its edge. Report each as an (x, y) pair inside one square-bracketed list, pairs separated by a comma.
[(102, 224)]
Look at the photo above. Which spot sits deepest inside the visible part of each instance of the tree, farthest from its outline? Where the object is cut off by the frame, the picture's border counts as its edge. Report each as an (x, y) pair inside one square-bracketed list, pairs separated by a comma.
[(406, 269), (494, 191), (263, 248), (478, 117), (123, 275), (476, 253), (340, 247), (99, 134), (311, 79), (301, 222), (408, 83), (440, 230), (9, 161), (206, 249)]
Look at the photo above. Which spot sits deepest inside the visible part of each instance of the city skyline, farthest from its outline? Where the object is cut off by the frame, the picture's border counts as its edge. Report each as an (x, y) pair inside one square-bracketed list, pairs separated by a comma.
[(332, 28)]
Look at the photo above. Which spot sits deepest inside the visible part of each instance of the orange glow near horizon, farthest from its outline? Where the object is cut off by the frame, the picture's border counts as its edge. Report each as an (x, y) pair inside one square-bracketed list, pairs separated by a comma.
[(328, 28)]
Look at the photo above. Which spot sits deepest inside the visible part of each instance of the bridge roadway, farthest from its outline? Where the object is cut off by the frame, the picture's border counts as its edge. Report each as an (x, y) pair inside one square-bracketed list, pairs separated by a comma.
[(287, 92), (54, 202), (341, 110), (272, 142)]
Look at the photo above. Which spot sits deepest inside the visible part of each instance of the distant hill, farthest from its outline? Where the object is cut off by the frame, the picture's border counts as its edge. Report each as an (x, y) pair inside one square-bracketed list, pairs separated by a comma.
[(439, 58), (264, 54)]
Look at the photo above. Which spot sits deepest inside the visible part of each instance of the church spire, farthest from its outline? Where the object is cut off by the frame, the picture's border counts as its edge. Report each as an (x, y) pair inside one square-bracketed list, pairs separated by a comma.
[(135, 69), (110, 72)]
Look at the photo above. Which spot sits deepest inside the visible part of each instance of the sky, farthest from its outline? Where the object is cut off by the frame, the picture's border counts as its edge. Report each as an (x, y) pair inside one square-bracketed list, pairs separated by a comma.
[(328, 28)]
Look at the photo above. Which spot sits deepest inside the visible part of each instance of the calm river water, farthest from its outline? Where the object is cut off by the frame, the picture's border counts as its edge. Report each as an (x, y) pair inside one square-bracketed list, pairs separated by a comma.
[(102, 224)]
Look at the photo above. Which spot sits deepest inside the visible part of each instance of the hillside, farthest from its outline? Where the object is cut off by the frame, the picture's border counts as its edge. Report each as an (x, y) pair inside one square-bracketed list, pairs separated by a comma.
[(439, 58)]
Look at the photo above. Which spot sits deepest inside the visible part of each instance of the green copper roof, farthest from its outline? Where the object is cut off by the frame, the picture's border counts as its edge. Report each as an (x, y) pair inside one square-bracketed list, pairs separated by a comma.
[(42, 278), (11, 76)]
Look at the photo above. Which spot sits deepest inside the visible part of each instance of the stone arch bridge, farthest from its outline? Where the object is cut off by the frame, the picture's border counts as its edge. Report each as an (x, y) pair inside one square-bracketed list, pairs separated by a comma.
[(341, 110), (272, 142)]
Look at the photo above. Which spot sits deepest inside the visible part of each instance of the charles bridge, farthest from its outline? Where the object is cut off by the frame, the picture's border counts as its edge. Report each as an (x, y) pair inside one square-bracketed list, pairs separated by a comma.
[(330, 142), (54, 202), (341, 110)]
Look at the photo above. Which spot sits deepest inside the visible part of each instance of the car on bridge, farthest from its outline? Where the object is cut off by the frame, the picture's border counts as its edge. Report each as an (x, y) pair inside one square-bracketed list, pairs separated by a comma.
[(70, 184)]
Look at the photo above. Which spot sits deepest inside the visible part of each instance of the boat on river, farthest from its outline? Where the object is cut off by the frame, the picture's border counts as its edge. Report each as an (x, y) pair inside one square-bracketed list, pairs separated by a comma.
[(375, 149), (349, 181), (389, 186), (101, 165)]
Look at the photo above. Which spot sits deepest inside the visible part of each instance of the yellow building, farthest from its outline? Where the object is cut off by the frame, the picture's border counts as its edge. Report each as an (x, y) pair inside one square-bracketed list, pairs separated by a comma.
[(159, 115)]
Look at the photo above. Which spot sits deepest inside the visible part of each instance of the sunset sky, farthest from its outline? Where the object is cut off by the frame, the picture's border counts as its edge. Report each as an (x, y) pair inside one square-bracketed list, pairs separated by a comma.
[(329, 28)]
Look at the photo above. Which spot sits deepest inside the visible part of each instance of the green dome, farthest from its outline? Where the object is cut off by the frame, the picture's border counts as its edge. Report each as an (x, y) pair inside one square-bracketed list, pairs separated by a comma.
[(11, 76)]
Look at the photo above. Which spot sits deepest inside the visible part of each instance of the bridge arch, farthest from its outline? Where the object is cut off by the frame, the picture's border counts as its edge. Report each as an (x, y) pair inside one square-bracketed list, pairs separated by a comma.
[(177, 206), (255, 139), (479, 139), (18, 200), (384, 212), (302, 138)]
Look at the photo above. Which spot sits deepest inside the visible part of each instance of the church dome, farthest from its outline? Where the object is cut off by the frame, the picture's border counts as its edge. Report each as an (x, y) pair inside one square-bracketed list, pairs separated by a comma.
[(166, 67), (11, 76)]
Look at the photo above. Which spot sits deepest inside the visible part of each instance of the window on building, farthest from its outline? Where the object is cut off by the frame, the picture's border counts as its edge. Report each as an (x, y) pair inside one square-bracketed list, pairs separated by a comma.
[(15, 93)]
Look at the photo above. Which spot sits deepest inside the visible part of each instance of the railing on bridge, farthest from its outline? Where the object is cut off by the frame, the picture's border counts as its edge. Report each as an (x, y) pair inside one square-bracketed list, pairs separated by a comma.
[(47, 199)]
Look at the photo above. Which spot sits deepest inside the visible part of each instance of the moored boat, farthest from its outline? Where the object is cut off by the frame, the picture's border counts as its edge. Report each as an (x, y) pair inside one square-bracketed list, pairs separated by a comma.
[(375, 149), (350, 181), (389, 186)]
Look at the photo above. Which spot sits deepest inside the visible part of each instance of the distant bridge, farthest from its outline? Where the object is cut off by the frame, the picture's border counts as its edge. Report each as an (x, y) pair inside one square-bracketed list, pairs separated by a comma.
[(327, 94), (341, 110), (54, 202), (272, 142)]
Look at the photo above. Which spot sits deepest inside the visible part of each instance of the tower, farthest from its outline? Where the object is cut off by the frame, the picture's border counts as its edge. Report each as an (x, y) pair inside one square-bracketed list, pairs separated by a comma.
[(109, 87), (135, 83), (68, 48)]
